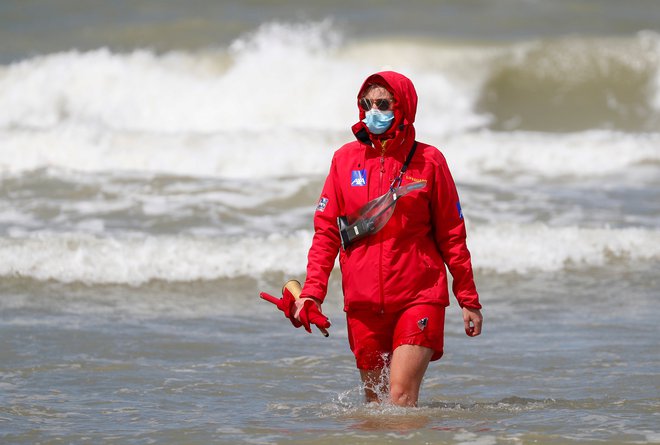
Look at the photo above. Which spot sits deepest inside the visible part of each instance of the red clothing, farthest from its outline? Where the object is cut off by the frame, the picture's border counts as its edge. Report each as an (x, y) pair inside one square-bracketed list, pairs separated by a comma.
[(373, 337), (404, 263)]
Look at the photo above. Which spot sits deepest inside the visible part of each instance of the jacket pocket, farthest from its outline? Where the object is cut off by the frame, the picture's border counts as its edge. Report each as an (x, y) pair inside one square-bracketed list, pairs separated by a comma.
[(432, 269)]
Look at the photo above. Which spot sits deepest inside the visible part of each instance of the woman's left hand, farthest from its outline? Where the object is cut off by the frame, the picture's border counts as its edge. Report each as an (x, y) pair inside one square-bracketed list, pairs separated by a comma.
[(473, 321)]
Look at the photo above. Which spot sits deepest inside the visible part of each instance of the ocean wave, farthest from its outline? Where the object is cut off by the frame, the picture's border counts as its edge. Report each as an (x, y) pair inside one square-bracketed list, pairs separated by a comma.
[(572, 84), (538, 247), (529, 155), (279, 100), (265, 80), (138, 259), (305, 76), (474, 156), (79, 148)]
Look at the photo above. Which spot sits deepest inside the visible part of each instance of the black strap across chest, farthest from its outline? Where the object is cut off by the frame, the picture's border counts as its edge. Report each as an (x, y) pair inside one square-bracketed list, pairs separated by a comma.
[(397, 181)]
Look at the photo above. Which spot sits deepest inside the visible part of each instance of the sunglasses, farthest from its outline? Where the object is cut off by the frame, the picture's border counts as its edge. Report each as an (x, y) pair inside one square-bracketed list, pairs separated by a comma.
[(381, 104)]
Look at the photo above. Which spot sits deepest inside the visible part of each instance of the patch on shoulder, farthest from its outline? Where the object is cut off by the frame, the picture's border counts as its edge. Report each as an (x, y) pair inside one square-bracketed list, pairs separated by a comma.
[(323, 202)]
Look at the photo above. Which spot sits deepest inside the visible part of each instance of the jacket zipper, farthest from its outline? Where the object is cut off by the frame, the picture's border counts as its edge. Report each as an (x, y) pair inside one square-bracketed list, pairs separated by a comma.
[(380, 236)]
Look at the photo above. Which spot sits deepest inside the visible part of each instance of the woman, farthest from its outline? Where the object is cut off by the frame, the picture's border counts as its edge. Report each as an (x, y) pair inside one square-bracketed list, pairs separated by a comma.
[(394, 281)]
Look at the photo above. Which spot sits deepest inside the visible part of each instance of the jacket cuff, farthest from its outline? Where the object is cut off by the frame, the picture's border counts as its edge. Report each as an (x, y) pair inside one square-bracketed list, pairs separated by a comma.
[(471, 305)]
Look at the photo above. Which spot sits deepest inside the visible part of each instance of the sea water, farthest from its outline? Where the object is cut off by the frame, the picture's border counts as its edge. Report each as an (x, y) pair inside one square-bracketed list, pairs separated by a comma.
[(160, 164)]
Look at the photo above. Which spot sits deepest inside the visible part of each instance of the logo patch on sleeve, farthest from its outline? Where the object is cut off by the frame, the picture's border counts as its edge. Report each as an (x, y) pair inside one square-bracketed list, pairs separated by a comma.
[(359, 178), (322, 203)]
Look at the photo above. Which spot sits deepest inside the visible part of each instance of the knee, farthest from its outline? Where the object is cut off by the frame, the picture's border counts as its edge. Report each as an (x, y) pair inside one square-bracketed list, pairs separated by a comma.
[(403, 395)]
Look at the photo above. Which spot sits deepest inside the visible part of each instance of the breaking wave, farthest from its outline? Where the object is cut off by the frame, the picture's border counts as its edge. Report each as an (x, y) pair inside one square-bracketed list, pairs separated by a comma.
[(138, 259)]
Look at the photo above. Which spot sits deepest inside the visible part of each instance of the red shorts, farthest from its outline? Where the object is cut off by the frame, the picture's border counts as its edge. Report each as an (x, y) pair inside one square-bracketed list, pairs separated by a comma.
[(373, 336)]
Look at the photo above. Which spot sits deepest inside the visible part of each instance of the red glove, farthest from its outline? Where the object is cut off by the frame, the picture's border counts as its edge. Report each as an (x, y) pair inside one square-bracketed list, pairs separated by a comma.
[(301, 312), (309, 312)]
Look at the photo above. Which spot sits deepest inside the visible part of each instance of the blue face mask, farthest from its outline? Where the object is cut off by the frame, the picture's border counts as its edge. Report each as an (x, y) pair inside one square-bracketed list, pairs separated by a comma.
[(378, 121)]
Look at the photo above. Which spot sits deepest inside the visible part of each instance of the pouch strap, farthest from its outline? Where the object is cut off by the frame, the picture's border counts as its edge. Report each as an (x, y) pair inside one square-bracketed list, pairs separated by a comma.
[(409, 158), (404, 167)]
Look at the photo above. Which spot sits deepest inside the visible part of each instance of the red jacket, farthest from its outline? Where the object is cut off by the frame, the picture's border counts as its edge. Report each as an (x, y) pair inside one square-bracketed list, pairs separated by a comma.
[(404, 263)]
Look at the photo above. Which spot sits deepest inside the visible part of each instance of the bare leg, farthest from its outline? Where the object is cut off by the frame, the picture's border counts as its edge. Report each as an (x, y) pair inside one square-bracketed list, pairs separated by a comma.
[(407, 369)]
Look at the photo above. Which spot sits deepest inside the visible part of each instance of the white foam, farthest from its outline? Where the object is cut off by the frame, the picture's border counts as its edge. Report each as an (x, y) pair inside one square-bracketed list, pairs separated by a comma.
[(475, 156), (136, 259), (139, 259), (467, 438), (472, 156), (299, 76), (231, 155), (263, 81), (538, 247), (276, 102)]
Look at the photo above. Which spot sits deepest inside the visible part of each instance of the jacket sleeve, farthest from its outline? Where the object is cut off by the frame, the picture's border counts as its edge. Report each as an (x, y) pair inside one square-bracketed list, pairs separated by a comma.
[(450, 236), (326, 241)]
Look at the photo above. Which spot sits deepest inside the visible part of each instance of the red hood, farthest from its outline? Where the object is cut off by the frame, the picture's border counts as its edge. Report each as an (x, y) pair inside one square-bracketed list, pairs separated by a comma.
[(405, 106)]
